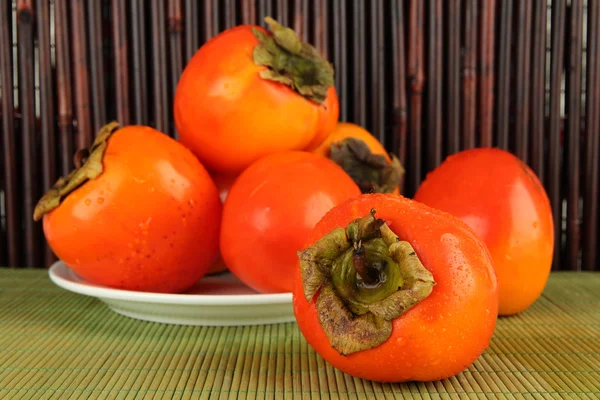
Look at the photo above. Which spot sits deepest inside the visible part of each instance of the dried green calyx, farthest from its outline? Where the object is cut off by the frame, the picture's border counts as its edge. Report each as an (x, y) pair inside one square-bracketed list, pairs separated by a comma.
[(292, 62), (364, 276), (371, 172), (85, 169)]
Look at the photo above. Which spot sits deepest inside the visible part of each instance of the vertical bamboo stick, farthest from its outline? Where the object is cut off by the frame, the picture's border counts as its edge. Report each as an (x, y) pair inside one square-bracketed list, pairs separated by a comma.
[(140, 62), (591, 198), (434, 85), (523, 79), (538, 88), (554, 154), (573, 142), (81, 69), (46, 107), (504, 73), (94, 16), (9, 156), (416, 78), (486, 79), (121, 52)]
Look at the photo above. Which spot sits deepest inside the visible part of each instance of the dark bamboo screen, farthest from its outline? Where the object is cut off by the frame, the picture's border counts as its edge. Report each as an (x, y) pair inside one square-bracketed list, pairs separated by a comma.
[(427, 77)]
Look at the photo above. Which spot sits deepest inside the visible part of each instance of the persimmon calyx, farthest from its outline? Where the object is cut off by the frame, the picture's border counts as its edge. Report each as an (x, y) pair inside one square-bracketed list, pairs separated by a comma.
[(371, 172), (87, 169), (356, 314), (292, 62)]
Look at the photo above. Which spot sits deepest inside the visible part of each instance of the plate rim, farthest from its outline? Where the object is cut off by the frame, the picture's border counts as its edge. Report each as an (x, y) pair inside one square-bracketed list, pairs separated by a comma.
[(97, 291)]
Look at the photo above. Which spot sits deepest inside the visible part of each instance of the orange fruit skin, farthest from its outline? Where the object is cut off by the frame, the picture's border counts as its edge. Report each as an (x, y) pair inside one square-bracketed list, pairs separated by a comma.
[(270, 211), (230, 117), (502, 199), (444, 333), (149, 222)]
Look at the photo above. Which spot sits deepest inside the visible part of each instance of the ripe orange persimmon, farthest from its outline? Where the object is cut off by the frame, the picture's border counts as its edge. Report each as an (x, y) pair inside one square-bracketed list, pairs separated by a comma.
[(248, 93), (270, 210), (501, 198), (141, 213), (363, 157), (392, 290)]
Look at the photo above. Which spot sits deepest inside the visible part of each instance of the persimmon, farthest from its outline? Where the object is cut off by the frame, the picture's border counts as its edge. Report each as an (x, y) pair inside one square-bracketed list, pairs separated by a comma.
[(140, 212), (391, 290), (502, 199), (270, 210), (248, 92), (364, 158)]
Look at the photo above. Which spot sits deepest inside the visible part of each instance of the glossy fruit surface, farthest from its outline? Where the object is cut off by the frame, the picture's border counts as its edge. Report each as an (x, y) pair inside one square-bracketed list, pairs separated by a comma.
[(270, 210), (229, 115), (148, 222), (501, 198), (440, 335)]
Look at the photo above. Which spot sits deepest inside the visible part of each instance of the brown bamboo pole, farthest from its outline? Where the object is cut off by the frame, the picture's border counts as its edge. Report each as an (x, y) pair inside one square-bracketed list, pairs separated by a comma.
[(121, 52), (523, 79), (340, 56), (140, 62), (434, 84), (283, 12), (417, 79), (486, 65), (264, 9), (63, 86), (176, 43), (358, 42), (9, 155), (94, 16), (230, 13), (301, 17), (191, 27), (81, 70), (377, 81), (46, 107), (30, 177), (469, 75), (399, 84), (538, 88), (453, 77), (248, 12), (503, 115), (320, 26), (573, 134), (554, 154), (210, 19), (159, 67), (591, 197)]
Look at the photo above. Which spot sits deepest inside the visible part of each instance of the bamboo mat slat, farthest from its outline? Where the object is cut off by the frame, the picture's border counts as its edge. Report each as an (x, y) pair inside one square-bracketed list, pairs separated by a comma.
[(59, 345)]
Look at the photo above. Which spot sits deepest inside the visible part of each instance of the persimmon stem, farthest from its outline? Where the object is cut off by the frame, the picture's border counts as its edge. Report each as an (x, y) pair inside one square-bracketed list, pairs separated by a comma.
[(88, 165), (367, 274), (361, 278)]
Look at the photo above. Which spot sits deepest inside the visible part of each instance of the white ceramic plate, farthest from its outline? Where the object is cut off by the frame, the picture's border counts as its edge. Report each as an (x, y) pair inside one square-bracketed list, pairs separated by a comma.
[(220, 300)]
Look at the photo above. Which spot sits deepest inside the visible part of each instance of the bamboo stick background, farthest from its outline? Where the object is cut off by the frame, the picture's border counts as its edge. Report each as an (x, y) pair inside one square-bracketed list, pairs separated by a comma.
[(428, 78)]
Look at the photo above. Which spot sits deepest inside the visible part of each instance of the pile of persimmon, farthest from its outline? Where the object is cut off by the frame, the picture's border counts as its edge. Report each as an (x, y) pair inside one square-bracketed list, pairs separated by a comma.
[(266, 182)]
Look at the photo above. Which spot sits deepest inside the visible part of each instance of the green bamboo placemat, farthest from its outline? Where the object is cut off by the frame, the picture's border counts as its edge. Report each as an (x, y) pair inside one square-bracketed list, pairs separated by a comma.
[(59, 345)]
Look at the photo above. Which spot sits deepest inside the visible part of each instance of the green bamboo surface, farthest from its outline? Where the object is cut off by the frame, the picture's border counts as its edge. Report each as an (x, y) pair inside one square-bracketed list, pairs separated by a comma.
[(59, 345)]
